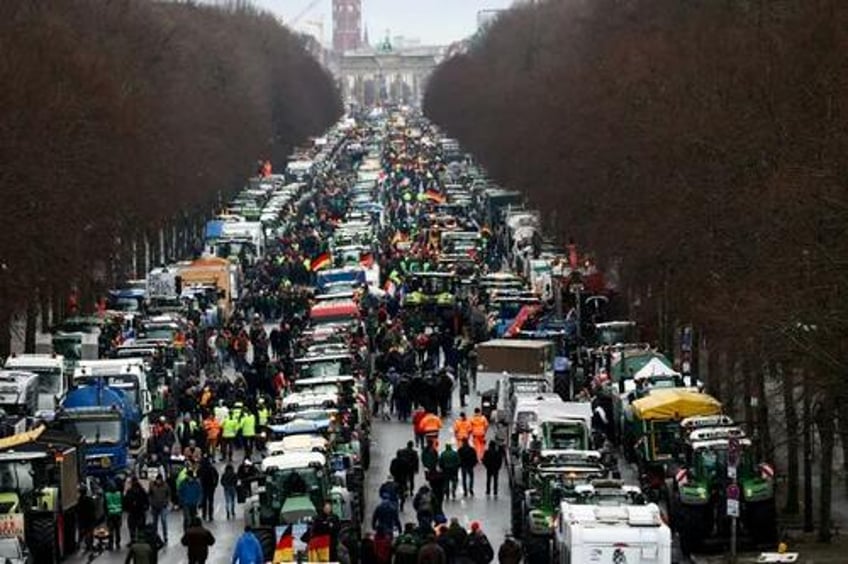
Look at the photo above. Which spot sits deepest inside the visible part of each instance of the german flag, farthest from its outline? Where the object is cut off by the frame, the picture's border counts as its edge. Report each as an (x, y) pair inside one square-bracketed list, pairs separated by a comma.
[(284, 551), (321, 261), (435, 196), (318, 548)]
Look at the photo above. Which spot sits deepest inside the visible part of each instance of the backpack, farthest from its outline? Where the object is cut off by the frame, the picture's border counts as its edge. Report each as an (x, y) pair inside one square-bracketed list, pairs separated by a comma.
[(480, 549)]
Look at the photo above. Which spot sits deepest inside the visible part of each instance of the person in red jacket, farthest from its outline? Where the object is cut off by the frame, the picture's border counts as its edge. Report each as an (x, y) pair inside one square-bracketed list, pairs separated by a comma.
[(417, 417)]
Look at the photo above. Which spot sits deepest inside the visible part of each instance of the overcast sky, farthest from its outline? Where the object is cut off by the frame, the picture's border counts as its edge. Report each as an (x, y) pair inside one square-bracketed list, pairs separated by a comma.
[(435, 22)]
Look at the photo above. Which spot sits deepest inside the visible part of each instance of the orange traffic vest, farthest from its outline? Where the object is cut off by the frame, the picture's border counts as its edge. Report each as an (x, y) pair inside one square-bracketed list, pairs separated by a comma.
[(431, 423), (212, 428), (479, 424), (462, 429)]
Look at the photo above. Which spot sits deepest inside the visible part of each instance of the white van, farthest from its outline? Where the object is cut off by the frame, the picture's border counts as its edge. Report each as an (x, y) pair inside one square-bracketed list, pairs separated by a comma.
[(52, 379), (635, 534)]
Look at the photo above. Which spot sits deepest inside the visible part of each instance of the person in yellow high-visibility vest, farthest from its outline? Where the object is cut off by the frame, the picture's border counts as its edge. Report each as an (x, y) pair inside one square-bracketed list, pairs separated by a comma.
[(229, 430), (248, 431)]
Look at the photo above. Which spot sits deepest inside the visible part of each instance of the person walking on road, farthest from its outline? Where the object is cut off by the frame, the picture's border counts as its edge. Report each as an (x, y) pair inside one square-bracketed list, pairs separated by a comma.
[(229, 431), (405, 547), (431, 552), (412, 464), (248, 431), (229, 481), (160, 497), (197, 540), (142, 550), (418, 431), (191, 493), (136, 504), (461, 429), (450, 463), (248, 549), (479, 426), (429, 457), (478, 546), (423, 505), (509, 551), (208, 482), (399, 470), (431, 424), (114, 514), (467, 462), (492, 461), (386, 518)]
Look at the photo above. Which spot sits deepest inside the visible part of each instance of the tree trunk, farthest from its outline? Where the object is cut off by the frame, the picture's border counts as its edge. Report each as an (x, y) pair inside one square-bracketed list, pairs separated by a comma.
[(792, 443), (44, 308), (728, 386), (763, 431), (31, 324), (842, 422), (809, 525), (5, 331), (748, 394), (827, 435), (58, 306)]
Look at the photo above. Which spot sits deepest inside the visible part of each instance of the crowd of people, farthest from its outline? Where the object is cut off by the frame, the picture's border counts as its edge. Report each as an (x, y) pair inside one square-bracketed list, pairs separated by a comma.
[(238, 373)]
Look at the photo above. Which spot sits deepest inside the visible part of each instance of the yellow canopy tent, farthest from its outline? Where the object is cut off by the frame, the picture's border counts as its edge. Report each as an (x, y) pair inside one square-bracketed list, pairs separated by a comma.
[(675, 404)]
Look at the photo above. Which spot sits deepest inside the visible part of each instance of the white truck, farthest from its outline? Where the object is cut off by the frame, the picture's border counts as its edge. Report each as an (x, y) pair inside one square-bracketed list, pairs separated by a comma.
[(53, 381), (611, 534)]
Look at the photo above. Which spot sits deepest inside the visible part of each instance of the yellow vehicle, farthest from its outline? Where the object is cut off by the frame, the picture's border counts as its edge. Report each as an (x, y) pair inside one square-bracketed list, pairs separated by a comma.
[(652, 432), (217, 272)]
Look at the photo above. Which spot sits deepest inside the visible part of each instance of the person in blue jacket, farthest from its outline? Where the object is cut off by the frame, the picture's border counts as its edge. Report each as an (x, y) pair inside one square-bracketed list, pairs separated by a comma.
[(190, 493), (248, 550)]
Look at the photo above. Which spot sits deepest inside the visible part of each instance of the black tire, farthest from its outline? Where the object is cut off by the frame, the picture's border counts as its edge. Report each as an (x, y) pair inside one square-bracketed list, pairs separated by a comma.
[(761, 522), (41, 538), (537, 549), (695, 524), (70, 534), (268, 542), (516, 515)]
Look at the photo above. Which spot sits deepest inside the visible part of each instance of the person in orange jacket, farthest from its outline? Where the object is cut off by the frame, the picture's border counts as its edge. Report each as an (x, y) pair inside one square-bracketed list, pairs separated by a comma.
[(417, 416), (461, 429), (479, 426), (431, 424), (213, 432)]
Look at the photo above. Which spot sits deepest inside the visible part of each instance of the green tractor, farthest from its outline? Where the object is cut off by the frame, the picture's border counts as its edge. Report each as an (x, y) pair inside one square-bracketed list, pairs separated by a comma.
[(39, 492), (552, 478), (293, 489), (652, 433), (703, 486)]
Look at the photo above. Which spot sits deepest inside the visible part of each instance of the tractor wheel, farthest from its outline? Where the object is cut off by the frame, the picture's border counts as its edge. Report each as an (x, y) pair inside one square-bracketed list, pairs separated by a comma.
[(70, 535), (692, 527), (517, 515), (268, 542), (41, 538), (761, 519)]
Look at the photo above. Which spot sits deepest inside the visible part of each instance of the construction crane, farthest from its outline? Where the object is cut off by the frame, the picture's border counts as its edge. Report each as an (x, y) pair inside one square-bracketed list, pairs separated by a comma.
[(309, 7)]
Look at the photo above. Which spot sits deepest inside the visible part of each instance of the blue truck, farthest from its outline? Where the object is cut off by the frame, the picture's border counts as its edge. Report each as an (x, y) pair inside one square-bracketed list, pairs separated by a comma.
[(103, 417)]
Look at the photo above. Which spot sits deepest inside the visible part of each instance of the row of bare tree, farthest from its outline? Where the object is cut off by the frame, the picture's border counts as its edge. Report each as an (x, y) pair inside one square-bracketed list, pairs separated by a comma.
[(699, 148), (123, 123)]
